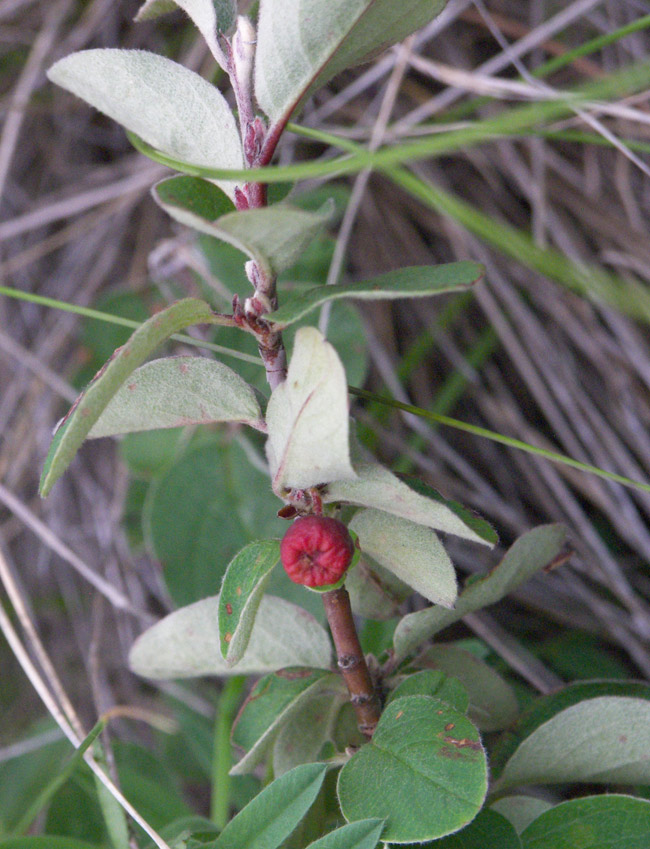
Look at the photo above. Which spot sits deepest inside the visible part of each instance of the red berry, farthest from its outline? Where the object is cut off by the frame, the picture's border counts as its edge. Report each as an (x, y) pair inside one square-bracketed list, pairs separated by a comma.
[(316, 551)]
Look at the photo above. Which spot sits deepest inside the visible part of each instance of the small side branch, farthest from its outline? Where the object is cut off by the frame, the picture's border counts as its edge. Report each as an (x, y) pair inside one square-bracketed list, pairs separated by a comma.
[(351, 661)]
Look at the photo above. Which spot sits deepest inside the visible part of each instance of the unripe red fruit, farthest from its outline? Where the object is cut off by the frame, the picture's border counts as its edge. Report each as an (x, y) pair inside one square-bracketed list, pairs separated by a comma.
[(316, 551)]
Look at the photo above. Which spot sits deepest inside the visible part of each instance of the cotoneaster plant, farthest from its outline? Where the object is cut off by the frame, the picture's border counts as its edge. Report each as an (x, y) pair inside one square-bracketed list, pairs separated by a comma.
[(402, 734)]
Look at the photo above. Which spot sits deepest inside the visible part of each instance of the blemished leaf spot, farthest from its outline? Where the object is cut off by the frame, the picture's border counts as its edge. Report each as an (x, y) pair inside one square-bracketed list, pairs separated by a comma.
[(425, 780)]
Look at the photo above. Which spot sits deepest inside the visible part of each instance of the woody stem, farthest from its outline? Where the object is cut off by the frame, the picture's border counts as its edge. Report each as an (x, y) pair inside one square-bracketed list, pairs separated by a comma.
[(351, 662)]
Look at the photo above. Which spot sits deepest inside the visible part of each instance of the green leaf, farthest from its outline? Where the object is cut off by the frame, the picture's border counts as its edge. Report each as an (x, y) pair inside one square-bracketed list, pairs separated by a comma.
[(531, 552), (307, 418), (412, 552), (93, 400), (242, 590), (598, 741), (377, 487), (363, 834), (302, 44), (489, 830), (202, 510), (472, 520), (521, 810), (47, 842), (493, 704), (594, 822), (273, 702), (210, 17), (186, 643), (272, 815), (167, 105), (424, 771), (274, 236), (415, 282), (545, 708), (374, 592), (433, 683), (178, 391), (302, 740)]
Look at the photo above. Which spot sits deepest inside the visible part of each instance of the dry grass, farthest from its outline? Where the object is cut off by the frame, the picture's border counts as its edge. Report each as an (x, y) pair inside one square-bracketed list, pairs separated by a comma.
[(555, 371)]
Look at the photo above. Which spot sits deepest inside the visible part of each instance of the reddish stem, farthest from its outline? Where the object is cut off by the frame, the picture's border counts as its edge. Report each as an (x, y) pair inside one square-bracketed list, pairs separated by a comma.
[(351, 661)]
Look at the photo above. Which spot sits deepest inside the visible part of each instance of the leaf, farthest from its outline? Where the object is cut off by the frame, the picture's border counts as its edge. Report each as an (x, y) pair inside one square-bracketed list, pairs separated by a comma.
[(412, 552), (363, 834), (424, 771), (435, 683), (202, 510), (593, 822), (302, 739), (375, 486), (46, 842), (211, 17), (186, 643), (598, 741), (545, 708), (493, 704), (473, 521), (374, 592), (490, 830), (274, 236), (302, 44), (531, 552), (242, 590), (414, 282), (273, 814), (307, 418), (274, 701), (178, 391), (94, 399), (168, 106), (521, 810)]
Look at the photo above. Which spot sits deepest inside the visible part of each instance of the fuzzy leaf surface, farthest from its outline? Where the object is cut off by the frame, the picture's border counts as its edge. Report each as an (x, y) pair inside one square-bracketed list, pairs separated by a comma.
[(521, 810), (307, 418), (545, 708), (493, 704), (363, 834), (168, 106), (177, 391), (424, 771), (302, 44), (377, 487), (429, 682), (274, 813), (242, 591), (273, 702), (412, 552), (275, 236), (414, 282), (601, 740), (210, 17), (489, 830), (95, 398), (529, 554), (312, 726), (186, 643), (594, 822)]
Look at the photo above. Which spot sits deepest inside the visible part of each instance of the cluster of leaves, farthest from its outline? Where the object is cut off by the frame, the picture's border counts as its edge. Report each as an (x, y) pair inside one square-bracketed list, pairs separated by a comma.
[(423, 777)]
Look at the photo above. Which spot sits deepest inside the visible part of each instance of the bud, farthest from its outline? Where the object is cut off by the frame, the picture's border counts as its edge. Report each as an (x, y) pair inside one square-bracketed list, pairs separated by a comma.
[(316, 551)]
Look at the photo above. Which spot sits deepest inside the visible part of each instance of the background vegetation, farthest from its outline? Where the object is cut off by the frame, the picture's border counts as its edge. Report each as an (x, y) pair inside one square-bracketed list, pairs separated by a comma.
[(551, 349)]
